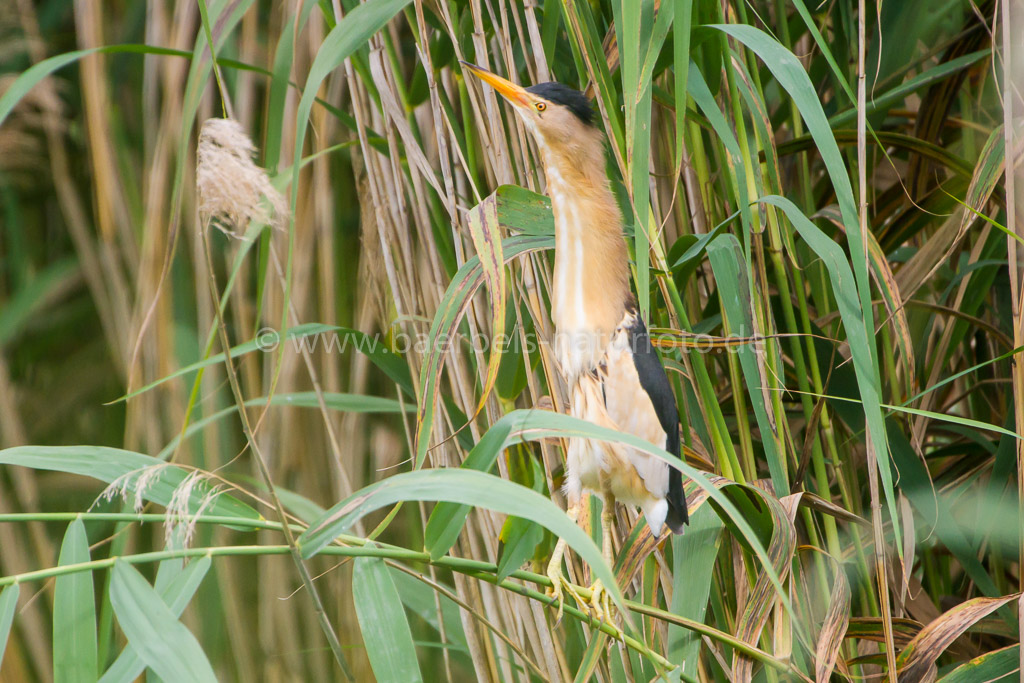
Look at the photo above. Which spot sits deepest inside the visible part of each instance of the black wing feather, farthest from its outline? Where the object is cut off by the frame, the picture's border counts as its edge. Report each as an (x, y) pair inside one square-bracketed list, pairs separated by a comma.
[(655, 382)]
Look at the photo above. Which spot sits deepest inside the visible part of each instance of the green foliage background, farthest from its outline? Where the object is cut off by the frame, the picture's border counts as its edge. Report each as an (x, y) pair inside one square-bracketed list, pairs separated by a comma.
[(816, 207)]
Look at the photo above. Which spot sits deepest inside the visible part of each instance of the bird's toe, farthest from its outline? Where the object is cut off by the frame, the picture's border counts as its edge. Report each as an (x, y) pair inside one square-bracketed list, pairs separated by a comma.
[(600, 605), (559, 587)]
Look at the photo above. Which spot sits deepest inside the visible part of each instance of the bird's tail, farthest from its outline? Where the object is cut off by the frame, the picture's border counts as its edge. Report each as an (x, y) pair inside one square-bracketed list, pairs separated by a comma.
[(678, 517)]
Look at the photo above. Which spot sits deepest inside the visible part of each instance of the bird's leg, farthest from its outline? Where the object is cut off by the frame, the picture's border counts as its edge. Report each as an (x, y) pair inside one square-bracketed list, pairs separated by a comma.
[(600, 601), (554, 572)]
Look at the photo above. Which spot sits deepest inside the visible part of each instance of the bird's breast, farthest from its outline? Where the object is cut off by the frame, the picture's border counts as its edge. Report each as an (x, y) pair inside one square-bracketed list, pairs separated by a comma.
[(583, 309)]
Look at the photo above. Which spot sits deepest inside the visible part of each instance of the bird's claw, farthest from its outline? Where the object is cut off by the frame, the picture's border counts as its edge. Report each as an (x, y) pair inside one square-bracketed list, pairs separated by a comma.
[(600, 606), (558, 583)]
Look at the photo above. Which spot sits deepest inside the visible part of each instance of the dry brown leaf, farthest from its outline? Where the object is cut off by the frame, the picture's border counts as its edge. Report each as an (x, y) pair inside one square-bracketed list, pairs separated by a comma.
[(917, 661)]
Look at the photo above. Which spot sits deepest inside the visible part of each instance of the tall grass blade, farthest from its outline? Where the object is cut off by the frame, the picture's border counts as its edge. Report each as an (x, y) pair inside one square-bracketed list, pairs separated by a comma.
[(163, 642), (383, 623), (74, 609), (693, 564), (727, 261), (176, 592), (8, 606), (856, 320), (484, 227), (344, 39)]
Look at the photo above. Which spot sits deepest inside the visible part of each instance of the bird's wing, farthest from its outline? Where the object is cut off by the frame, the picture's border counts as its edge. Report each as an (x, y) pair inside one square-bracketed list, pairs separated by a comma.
[(639, 399)]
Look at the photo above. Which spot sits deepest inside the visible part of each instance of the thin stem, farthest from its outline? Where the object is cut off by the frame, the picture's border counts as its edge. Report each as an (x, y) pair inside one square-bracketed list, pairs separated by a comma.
[(225, 103), (138, 517), (261, 464), (872, 456)]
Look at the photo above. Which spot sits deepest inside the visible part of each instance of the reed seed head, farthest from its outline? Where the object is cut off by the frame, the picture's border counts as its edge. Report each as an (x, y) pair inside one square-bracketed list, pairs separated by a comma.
[(233, 190)]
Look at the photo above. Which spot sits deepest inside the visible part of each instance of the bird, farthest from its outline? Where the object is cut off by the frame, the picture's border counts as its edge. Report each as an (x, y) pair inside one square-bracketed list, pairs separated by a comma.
[(614, 376)]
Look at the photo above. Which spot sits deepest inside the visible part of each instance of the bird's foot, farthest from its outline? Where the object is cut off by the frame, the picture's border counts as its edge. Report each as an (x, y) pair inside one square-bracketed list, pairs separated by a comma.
[(600, 606), (558, 584)]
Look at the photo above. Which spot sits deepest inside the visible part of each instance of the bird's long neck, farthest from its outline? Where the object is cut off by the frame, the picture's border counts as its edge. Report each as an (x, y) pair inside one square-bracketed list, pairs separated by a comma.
[(591, 277)]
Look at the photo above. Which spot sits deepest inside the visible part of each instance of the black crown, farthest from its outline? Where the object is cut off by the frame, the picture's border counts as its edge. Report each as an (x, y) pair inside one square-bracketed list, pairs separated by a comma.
[(573, 100)]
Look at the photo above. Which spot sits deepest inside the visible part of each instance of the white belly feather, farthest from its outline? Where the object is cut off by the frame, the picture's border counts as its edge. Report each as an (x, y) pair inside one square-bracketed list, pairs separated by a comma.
[(599, 369), (613, 397)]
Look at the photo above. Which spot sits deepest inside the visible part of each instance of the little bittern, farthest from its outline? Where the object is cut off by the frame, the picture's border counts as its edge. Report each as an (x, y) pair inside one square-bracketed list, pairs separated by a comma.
[(614, 376)]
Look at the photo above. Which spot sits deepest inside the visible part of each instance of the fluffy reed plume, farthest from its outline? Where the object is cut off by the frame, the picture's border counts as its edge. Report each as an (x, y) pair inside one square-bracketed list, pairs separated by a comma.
[(132, 486), (233, 190), (180, 520)]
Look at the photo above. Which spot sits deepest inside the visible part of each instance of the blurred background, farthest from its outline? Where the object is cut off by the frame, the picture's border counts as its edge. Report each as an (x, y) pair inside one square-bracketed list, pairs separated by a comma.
[(875, 455)]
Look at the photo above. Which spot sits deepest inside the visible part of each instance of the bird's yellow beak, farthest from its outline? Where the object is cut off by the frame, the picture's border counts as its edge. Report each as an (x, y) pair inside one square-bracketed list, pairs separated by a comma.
[(516, 95)]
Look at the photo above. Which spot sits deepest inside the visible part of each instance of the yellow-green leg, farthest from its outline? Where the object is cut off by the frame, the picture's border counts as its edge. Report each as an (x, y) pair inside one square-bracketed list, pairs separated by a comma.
[(554, 572), (600, 601)]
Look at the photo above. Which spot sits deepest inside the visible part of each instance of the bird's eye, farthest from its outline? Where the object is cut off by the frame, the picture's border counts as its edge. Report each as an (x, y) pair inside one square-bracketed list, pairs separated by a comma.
[(540, 106)]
